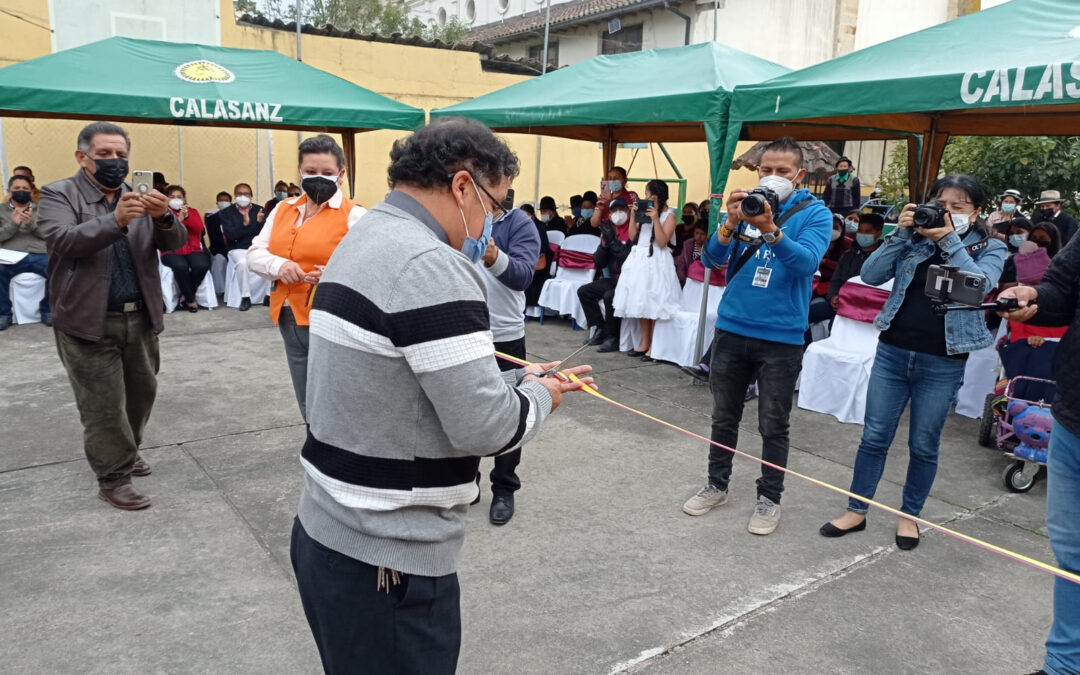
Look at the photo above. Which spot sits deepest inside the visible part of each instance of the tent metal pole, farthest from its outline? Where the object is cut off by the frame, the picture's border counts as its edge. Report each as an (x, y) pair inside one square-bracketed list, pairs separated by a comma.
[(298, 4), (270, 153), (3, 150), (715, 19), (179, 151), (543, 71)]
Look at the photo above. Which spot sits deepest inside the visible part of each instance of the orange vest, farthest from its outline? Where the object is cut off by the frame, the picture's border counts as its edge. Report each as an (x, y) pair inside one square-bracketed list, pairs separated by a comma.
[(308, 245)]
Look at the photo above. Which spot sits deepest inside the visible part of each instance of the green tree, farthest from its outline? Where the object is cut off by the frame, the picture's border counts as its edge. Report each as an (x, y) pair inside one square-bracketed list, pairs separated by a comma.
[(1029, 164), (363, 16)]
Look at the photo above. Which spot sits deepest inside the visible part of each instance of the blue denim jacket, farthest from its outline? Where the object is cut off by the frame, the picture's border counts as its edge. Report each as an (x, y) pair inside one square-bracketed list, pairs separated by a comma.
[(902, 252)]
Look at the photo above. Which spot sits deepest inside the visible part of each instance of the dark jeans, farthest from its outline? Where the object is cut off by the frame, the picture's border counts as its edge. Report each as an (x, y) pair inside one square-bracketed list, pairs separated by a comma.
[(412, 628), (591, 295), (33, 263), (504, 478), (296, 351), (115, 383), (188, 270), (736, 362)]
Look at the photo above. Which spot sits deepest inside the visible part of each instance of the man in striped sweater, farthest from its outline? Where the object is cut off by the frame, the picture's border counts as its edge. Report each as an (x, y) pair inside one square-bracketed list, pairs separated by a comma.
[(403, 398)]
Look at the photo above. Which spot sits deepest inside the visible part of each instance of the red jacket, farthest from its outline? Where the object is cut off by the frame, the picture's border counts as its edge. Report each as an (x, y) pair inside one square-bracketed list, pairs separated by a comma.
[(194, 225)]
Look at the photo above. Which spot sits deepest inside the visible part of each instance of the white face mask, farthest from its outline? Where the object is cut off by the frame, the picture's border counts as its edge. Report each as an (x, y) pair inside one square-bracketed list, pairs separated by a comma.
[(961, 222), (176, 204), (224, 204), (545, 217), (778, 184), (619, 217), (851, 226), (243, 200), (835, 235)]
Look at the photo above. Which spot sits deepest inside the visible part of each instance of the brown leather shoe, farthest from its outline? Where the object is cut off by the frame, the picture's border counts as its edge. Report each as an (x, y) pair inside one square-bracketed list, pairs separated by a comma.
[(140, 468), (124, 497)]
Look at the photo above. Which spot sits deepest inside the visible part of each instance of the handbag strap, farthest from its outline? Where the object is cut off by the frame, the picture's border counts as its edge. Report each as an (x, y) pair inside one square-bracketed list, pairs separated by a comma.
[(750, 251)]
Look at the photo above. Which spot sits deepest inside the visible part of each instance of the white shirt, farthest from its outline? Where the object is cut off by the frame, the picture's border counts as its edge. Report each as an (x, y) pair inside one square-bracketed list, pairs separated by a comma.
[(264, 263)]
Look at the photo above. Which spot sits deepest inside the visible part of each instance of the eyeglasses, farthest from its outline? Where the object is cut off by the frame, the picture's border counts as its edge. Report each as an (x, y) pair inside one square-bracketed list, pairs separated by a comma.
[(496, 207)]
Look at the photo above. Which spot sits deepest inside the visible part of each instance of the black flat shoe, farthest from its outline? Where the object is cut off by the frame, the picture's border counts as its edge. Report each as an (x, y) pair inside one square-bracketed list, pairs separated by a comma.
[(192, 308), (647, 359), (635, 353), (832, 531), (502, 509), (596, 340), (907, 543), (612, 345)]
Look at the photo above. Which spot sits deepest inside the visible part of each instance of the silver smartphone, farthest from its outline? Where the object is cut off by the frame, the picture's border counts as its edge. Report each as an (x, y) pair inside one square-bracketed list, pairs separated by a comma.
[(142, 182)]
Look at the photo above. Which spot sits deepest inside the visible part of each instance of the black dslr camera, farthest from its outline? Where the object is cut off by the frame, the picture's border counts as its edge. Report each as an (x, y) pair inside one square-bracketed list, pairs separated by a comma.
[(753, 204), (930, 215), (948, 284)]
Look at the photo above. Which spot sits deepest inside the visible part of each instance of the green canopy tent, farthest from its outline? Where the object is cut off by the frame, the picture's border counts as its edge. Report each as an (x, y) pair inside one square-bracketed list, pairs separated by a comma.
[(601, 99), (923, 87), (147, 81)]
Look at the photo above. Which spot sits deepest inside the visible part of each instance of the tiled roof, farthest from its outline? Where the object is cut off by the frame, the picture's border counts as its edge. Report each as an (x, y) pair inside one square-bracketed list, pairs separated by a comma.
[(568, 13), (490, 60)]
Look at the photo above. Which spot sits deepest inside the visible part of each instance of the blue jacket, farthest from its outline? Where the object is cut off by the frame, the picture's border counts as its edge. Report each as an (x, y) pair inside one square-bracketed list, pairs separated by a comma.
[(777, 313), (518, 242), (901, 254)]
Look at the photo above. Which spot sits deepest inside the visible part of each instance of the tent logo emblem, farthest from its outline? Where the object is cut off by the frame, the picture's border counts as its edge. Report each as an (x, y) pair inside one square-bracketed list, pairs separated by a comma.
[(203, 71)]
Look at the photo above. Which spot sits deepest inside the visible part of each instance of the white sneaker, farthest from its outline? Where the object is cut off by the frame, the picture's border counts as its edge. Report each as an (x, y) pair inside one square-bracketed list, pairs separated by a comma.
[(707, 499), (766, 516)]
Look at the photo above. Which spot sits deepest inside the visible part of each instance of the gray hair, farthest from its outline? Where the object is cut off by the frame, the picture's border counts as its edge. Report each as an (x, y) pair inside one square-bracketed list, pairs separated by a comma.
[(86, 136)]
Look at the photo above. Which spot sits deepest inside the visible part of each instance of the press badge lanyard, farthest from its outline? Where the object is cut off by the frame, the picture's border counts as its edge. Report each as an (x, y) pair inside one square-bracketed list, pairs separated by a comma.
[(761, 276)]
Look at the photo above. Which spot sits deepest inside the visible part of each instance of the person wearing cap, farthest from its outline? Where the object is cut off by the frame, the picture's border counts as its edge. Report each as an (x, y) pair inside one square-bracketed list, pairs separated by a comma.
[(1049, 210), (600, 294), (549, 215), (582, 223), (842, 190), (1008, 208), (867, 240)]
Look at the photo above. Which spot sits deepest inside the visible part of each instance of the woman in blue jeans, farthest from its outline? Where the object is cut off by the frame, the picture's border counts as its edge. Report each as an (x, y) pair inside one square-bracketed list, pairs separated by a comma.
[(920, 356)]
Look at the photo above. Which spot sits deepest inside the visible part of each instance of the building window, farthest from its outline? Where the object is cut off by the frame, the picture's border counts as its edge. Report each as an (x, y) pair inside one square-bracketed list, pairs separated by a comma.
[(470, 11), (442, 16), (628, 39), (536, 53)]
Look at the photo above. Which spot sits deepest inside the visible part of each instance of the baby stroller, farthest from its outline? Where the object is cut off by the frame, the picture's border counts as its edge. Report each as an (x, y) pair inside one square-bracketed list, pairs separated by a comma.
[(1017, 416)]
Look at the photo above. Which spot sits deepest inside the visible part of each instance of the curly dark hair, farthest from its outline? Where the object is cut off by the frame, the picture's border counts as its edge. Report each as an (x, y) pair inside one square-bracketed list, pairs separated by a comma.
[(434, 153)]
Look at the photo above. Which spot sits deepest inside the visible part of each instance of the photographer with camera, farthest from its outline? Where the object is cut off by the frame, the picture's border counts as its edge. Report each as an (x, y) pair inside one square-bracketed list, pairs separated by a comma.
[(772, 241), (1056, 302), (921, 353)]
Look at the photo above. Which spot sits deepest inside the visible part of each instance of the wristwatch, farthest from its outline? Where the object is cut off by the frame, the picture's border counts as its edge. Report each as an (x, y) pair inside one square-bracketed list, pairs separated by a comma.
[(770, 237)]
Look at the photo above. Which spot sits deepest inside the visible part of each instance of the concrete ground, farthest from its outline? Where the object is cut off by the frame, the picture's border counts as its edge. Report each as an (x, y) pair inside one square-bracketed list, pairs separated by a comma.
[(599, 572)]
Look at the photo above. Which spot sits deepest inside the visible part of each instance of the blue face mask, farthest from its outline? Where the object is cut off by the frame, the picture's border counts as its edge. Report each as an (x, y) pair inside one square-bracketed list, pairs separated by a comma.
[(865, 240), (576, 212), (1008, 207), (1017, 239), (474, 248), (850, 226), (614, 185), (587, 213)]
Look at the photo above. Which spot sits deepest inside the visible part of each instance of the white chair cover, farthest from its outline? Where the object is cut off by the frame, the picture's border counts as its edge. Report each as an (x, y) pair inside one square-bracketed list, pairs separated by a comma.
[(218, 263), (836, 370), (556, 238), (560, 293), (259, 286), (674, 339), (27, 291), (205, 294)]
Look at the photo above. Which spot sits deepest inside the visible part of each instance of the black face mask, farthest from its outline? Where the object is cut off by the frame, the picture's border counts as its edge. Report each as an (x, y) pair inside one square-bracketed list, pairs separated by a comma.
[(111, 172), (1046, 214), (21, 196), (319, 189), (687, 219)]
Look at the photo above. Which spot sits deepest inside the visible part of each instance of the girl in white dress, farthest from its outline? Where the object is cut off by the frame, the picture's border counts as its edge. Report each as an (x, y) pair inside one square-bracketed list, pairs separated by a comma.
[(648, 287)]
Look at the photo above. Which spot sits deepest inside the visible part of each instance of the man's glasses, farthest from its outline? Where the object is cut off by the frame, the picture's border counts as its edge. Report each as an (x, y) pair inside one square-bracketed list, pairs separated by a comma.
[(496, 207)]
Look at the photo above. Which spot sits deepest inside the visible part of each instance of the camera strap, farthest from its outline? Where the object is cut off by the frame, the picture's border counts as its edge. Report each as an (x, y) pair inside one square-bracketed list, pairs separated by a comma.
[(751, 250)]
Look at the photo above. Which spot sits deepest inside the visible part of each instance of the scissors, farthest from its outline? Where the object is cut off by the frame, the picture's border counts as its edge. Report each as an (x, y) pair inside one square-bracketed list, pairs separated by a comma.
[(553, 372)]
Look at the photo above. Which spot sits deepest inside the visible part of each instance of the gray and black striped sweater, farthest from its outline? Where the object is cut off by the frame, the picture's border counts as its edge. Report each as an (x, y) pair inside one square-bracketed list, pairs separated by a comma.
[(403, 395)]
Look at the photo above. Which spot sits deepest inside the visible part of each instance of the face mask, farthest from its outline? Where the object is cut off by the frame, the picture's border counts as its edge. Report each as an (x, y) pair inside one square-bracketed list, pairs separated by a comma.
[(587, 213), (865, 240), (243, 200), (111, 172), (1017, 239), (176, 204), (851, 226), (1046, 214), (778, 184), (474, 248), (961, 222), (619, 218), (834, 236), (687, 220), (21, 196), (319, 189), (1041, 244), (545, 217), (614, 185), (281, 196), (1008, 208), (223, 204)]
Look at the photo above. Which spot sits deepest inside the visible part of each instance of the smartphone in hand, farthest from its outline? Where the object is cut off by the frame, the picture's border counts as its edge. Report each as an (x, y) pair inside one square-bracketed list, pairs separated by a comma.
[(605, 191), (142, 182), (643, 206)]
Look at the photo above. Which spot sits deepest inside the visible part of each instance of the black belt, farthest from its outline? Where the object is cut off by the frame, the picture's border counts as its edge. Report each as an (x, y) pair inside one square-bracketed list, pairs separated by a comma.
[(124, 307)]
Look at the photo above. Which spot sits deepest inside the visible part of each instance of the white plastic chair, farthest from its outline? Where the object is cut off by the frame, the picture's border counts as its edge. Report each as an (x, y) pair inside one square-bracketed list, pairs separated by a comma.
[(26, 291), (560, 292), (836, 370), (259, 286), (674, 339), (205, 294), (218, 263)]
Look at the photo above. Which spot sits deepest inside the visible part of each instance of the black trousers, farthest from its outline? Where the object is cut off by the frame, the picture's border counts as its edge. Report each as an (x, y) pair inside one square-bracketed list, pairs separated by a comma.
[(591, 295), (736, 361), (504, 478), (412, 628), (188, 270)]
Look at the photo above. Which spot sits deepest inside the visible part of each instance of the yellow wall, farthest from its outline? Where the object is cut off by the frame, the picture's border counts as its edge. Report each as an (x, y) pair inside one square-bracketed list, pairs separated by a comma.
[(216, 159)]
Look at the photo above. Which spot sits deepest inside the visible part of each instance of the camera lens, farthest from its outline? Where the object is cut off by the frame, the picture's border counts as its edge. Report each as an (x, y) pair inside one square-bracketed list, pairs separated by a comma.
[(753, 205), (924, 217)]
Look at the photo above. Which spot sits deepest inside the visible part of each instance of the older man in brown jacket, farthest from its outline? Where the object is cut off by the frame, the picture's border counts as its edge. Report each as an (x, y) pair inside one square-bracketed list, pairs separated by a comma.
[(106, 302)]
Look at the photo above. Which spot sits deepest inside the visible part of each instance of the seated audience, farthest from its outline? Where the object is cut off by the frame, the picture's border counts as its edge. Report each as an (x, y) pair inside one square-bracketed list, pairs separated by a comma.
[(281, 193), (684, 230), (867, 240), (190, 262), (1008, 208), (549, 216), (851, 223), (583, 222), (215, 238), (27, 172), (19, 232), (1018, 230), (241, 223), (608, 257), (839, 246), (691, 251)]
